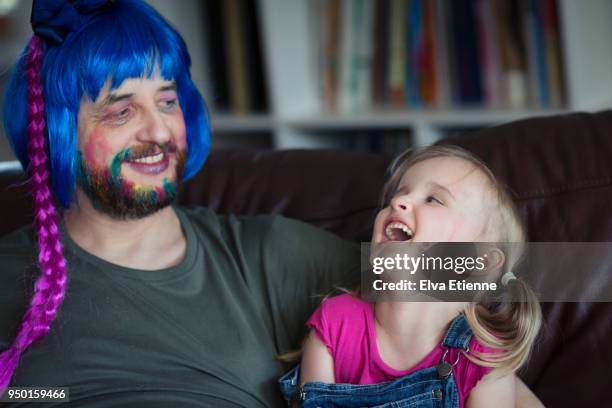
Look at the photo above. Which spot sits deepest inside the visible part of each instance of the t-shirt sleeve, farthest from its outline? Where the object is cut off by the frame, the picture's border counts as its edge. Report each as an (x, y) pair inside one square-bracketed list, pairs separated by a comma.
[(318, 322), (302, 265)]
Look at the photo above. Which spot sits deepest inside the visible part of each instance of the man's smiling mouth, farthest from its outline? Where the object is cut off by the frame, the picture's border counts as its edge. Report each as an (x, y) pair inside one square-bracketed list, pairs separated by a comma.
[(154, 164), (150, 159)]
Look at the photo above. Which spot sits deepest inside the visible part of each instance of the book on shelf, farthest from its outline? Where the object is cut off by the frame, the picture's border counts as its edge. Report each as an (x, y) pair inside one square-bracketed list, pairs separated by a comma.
[(234, 52), (490, 56), (329, 15), (466, 53), (437, 54), (429, 81), (233, 17), (552, 45), (258, 101), (397, 53), (356, 50), (381, 52), (214, 36)]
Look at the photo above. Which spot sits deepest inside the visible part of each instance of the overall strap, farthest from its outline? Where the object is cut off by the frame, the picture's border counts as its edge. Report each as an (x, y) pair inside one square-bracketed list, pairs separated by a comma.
[(459, 334)]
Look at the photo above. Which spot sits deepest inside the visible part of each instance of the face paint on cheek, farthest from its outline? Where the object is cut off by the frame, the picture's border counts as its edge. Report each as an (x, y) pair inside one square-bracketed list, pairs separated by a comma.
[(119, 158), (160, 193), (170, 188), (97, 147)]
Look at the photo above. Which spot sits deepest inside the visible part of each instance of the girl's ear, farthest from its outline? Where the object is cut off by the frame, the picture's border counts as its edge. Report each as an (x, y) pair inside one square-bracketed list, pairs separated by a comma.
[(494, 260)]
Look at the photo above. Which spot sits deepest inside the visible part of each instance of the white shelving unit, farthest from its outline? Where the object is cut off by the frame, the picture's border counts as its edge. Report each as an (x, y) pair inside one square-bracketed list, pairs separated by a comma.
[(296, 114), (296, 118)]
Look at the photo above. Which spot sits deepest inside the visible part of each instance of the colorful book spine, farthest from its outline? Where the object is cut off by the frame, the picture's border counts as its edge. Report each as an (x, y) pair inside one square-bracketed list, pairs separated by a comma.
[(397, 57), (236, 56), (428, 85), (550, 24), (363, 57), (513, 53), (330, 16), (381, 53), (488, 41), (345, 93), (467, 60), (405, 54), (540, 54), (443, 49), (415, 50)]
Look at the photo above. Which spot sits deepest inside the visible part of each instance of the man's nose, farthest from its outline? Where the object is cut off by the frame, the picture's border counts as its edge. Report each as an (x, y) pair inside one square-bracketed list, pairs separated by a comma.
[(155, 129)]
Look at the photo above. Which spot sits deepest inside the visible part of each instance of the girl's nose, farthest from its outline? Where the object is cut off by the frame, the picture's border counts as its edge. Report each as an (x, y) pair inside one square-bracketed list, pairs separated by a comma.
[(400, 203)]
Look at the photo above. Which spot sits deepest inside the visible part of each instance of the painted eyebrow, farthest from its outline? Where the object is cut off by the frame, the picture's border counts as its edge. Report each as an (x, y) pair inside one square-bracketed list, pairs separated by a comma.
[(169, 87), (113, 97)]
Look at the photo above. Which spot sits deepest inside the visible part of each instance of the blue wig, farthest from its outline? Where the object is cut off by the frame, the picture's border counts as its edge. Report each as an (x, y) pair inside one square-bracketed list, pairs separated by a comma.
[(126, 40)]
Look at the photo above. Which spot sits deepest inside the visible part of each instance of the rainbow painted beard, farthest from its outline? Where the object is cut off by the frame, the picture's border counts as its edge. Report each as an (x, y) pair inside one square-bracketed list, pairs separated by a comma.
[(123, 199)]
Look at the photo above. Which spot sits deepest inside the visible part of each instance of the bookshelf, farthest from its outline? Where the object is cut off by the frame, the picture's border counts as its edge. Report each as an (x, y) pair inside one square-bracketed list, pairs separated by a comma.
[(301, 117), (292, 112), (298, 117)]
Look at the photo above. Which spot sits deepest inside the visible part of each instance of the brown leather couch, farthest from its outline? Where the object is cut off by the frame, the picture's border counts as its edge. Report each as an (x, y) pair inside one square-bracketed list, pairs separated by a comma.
[(560, 169)]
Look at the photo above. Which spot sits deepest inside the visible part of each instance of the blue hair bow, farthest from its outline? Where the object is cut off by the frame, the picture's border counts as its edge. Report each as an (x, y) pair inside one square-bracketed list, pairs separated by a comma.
[(53, 20)]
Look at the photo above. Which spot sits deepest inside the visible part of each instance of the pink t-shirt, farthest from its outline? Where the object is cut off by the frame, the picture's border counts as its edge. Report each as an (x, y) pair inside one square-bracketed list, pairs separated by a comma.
[(345, 324)]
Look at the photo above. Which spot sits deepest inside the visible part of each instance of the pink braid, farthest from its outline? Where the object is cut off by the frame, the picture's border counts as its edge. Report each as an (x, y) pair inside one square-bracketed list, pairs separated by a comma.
[(50, 287)]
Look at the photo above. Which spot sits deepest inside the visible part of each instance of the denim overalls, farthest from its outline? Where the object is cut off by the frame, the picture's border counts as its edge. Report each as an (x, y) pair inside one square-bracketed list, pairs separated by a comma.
[(429, 387)]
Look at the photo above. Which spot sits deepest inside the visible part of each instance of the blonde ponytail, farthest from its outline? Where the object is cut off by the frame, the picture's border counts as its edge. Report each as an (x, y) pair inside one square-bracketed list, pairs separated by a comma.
[(510, 326)]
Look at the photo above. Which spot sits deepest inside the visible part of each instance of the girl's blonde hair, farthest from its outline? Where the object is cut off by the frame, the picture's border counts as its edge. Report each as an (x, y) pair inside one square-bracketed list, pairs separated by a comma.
[(512, 325)]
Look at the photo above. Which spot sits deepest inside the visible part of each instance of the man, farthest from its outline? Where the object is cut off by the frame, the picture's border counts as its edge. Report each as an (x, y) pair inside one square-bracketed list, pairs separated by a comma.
[(137, 302), (120, 296)]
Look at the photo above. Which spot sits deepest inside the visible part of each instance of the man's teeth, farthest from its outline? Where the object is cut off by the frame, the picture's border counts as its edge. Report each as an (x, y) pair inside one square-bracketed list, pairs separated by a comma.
[(398, 226), (150, 159)]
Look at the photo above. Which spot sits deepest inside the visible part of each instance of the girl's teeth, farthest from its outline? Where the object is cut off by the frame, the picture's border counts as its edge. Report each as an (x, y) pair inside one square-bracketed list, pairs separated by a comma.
[(151, 159), (397, 225)]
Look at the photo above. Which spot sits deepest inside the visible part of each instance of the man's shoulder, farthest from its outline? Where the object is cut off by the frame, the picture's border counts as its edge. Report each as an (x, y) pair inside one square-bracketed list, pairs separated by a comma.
[(205, 218), (18, 256), (277, 235), (19, 242)]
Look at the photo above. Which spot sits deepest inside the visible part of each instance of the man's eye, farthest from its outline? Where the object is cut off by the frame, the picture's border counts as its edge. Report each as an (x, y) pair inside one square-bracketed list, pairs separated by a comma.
[(433, 199), (123, 113), (169, 104), (119, 117)]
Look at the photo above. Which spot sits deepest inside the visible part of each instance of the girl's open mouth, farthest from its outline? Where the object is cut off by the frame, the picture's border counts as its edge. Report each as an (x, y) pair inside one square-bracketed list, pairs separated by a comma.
[(397, 231)]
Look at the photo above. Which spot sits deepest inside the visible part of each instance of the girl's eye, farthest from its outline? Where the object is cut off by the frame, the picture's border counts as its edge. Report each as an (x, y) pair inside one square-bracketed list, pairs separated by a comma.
[(433, 199)]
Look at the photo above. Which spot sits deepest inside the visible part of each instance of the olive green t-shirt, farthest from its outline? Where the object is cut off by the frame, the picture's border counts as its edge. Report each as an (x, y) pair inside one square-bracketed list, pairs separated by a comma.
[(202, 333)]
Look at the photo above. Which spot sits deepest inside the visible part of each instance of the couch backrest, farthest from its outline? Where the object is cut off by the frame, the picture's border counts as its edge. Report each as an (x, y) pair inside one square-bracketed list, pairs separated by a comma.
[(559, 168)]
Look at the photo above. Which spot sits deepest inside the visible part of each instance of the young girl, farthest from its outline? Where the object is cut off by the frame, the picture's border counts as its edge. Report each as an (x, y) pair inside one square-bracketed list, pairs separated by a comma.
[(426, 354)]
